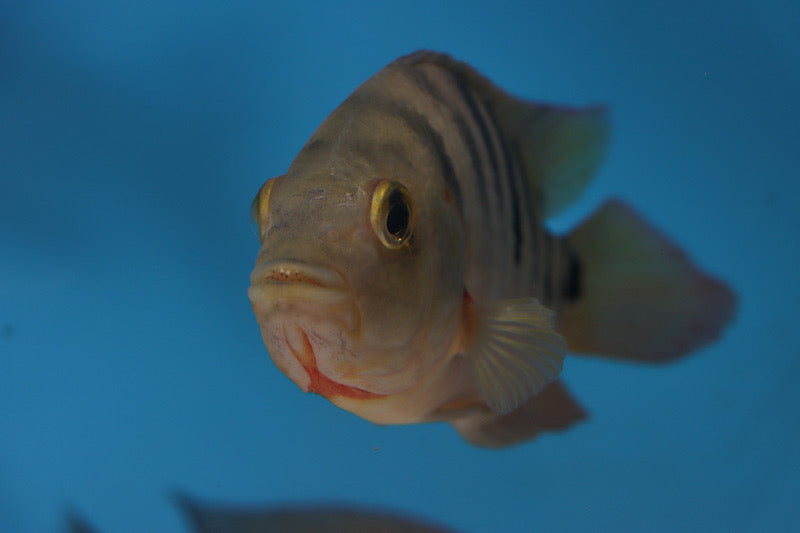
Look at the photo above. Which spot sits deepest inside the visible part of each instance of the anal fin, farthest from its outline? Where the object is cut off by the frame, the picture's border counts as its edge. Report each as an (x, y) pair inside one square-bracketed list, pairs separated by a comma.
[(552, 409)]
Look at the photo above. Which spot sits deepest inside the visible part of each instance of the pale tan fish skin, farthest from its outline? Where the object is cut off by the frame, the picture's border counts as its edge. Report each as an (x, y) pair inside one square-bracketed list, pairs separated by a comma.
[(456, 319)]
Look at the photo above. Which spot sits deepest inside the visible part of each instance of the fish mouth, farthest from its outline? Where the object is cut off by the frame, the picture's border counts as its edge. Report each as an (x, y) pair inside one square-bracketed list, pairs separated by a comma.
[(284, 271), (288, 296), (287, 286)]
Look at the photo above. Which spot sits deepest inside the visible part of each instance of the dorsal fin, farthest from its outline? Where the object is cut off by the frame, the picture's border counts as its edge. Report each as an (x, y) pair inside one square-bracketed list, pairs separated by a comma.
[(561, 147)]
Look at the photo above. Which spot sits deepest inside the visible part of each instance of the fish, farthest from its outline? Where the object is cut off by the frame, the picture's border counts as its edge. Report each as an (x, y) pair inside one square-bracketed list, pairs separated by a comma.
[(204, 517), (300, 518), (406, 272)]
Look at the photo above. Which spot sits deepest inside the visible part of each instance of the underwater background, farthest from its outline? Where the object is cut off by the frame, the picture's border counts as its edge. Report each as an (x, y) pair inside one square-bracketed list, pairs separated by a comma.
[(133, 137)]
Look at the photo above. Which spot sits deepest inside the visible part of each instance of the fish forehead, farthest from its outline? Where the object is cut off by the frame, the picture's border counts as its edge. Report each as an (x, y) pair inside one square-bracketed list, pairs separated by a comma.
[(340, 173), (382, 130), (355, 160), (304, 195)]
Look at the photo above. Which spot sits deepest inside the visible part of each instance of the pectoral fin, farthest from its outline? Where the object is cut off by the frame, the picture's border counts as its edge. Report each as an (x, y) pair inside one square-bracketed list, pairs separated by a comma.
[(516, 352)]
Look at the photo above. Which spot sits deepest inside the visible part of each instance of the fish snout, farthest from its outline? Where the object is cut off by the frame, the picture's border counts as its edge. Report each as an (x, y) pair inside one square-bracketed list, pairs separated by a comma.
[(301, 288)]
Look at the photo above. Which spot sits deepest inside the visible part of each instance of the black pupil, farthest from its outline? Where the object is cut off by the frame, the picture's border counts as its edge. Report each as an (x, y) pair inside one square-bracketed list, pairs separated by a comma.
[(398, 216)]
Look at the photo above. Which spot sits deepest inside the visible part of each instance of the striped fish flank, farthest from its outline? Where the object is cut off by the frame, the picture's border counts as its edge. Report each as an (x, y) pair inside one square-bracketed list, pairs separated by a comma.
[(405, 272), (504, 228)]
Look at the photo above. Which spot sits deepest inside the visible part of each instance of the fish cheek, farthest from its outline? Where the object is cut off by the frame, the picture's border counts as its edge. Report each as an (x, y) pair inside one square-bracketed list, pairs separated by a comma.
[(389, 306), (439, 274), (410, 298), (434, 278)]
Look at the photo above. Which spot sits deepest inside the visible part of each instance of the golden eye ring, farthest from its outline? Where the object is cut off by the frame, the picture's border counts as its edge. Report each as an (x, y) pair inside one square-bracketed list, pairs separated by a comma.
[(392, 214), (259, 209)]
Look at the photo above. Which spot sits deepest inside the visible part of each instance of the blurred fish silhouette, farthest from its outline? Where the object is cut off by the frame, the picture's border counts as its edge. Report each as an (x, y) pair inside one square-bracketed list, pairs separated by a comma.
[(76, 523), (207, 518), (405, 272), (299, 519)]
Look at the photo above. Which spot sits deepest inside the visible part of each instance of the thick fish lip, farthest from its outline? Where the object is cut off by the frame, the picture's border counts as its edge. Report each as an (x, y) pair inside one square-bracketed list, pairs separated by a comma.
[(292, 282), (291, 286), (285, 291), (284, 271)]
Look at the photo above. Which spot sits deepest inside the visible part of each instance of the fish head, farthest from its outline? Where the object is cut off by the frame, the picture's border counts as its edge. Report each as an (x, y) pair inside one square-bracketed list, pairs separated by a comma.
[(358, 284)]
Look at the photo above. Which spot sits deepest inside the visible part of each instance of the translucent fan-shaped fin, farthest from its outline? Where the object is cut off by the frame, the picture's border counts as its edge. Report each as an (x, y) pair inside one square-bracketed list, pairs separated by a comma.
[(517, 352)]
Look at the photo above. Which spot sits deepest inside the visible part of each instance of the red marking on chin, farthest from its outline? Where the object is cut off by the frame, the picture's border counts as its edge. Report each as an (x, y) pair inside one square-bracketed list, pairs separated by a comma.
[(322, 384)]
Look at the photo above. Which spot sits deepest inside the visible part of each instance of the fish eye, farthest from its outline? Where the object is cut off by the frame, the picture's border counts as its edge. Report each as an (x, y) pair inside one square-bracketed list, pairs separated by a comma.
[(392, 213), (259, 209)]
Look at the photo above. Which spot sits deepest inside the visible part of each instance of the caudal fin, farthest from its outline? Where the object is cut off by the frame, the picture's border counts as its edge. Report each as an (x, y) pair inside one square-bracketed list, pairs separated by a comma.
[(641, 297)]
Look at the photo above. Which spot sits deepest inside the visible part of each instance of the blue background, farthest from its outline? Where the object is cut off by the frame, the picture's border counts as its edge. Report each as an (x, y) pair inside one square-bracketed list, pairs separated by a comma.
[(133, 136)]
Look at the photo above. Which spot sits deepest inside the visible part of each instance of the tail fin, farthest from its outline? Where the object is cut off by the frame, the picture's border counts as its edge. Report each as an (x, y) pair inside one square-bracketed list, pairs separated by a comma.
[(641, 297)]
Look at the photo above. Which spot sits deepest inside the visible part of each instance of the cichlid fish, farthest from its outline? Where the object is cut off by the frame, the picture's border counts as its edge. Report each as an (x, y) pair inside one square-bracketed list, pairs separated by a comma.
[(405, 272), (202, 517), (330, 518)]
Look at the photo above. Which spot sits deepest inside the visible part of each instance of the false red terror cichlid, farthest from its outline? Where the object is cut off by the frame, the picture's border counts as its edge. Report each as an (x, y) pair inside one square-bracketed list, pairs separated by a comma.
[(405, 272)]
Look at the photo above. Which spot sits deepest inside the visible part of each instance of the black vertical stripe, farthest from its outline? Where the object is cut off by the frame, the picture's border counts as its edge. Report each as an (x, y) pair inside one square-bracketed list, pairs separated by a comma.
[(475, 159), (547, 275), (512, 177), (469, 98), (572, 286), (419, 125), (527, 206), (472, 104), (516, 222), (425, 84)]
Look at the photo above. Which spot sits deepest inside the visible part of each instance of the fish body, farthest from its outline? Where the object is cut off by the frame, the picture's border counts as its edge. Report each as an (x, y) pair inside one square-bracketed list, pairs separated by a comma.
[(405, 272)]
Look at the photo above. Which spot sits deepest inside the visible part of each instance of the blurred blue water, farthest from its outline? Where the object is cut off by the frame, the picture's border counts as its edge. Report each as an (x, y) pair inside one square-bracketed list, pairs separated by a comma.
[(133, 136)]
